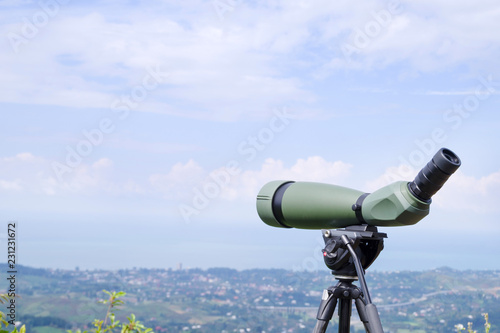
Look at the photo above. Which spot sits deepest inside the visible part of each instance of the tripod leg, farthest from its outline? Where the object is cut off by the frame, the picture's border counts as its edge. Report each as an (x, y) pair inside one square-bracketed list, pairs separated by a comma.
[(320, 326), (325, 311), (369, 316), (360, 306), (345, 309)]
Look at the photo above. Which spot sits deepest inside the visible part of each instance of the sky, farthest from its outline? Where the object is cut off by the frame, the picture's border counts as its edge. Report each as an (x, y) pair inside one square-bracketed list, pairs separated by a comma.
[(138, 133)]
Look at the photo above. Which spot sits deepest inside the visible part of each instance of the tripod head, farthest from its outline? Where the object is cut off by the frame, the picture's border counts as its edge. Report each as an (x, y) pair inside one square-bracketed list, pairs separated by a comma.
[(348, 252), (366, 241)]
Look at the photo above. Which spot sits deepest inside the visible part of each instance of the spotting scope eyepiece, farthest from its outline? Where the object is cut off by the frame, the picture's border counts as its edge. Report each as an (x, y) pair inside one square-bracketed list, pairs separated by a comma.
[(305, 205), (430, 179)]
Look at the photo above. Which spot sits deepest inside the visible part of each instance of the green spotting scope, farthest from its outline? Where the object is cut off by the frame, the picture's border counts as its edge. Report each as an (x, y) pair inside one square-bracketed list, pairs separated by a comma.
[(307, 205)]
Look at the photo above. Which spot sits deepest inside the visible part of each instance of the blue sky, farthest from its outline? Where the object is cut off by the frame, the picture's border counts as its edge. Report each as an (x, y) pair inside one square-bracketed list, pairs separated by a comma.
[(137, 134)]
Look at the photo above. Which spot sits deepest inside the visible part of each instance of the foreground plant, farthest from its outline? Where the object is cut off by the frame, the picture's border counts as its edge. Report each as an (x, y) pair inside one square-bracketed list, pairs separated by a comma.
[(102, 326), (4, 298), (460, 328)]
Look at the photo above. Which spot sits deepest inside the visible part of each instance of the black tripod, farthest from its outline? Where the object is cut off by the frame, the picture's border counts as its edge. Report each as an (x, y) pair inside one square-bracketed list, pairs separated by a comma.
[(347, 253)]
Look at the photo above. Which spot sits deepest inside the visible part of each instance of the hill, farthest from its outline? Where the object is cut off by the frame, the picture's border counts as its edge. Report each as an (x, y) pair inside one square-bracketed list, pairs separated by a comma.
[(257, 300)]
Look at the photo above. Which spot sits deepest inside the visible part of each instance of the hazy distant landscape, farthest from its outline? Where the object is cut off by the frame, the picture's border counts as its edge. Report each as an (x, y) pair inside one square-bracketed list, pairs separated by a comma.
[(256, 300)]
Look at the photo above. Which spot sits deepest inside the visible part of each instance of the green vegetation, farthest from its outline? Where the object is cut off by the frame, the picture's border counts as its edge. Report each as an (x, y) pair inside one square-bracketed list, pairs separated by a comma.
[(270, 300), (101, 326), (487, 326), (4, 298), (47, 329)]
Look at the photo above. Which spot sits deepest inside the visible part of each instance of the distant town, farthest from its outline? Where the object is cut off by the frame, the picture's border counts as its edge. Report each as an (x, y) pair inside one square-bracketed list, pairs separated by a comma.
[(256, 300)]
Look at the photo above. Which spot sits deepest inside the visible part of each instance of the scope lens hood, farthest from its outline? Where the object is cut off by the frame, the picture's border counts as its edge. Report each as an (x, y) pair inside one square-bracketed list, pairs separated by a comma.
[(269, 203)]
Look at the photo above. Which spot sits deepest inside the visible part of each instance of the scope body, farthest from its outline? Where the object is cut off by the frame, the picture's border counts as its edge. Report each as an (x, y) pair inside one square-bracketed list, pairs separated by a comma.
[(307, 205)]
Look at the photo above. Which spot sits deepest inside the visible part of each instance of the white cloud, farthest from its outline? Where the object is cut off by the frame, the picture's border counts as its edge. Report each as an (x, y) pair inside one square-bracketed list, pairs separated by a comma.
[(34, 175), (26, 173), (463, 92), (426, 36), (392, 174), (236, 67), (314, 169), (87, 178), (14, 3), (93, 59), (10, 185), (184, 180), (22, 157), (468, 193), (179, 180)]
